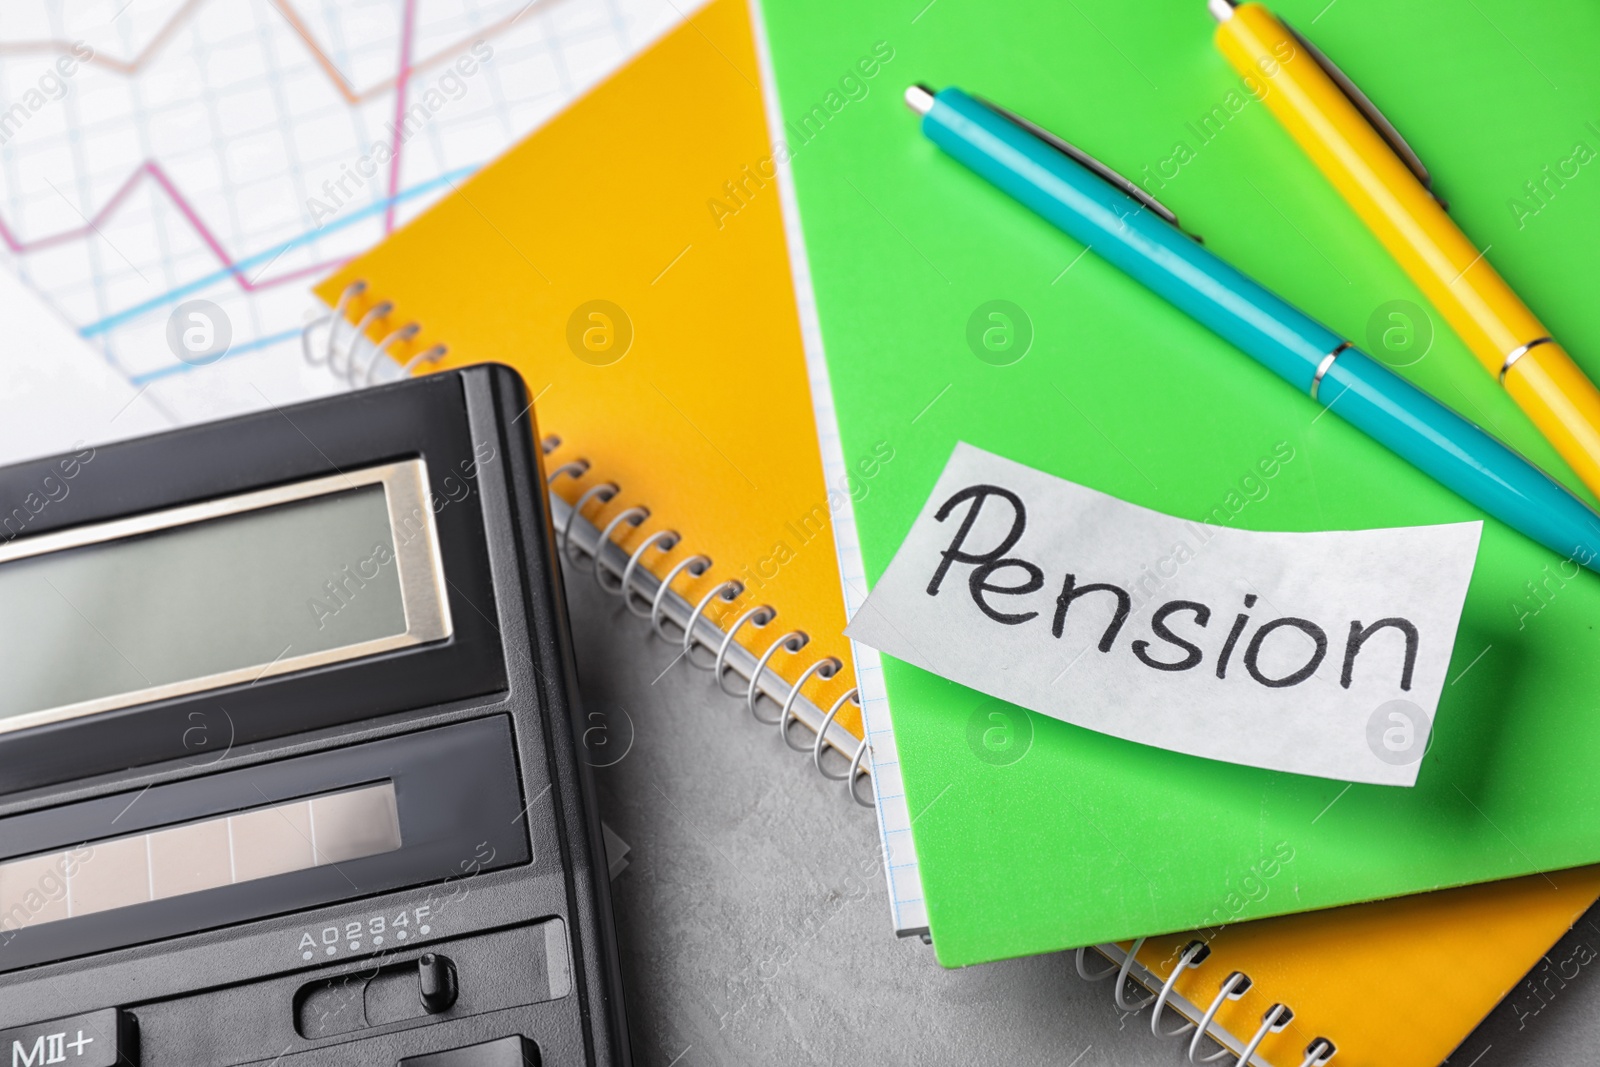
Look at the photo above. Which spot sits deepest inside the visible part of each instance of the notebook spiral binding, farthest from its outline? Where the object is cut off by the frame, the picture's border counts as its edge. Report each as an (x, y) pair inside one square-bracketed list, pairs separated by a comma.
[(1199, 1023), (591, 549)]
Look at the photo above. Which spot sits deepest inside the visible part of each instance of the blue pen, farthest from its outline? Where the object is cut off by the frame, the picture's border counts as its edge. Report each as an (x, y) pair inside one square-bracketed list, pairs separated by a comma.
[(1136, 233)]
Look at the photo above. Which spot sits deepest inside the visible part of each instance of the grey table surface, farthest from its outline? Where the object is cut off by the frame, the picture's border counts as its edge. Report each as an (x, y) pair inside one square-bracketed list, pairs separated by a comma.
[(754, 922)]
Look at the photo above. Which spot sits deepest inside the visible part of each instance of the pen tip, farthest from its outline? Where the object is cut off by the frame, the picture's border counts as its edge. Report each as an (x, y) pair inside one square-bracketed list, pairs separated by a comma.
[(1221, 10), (919, 98)]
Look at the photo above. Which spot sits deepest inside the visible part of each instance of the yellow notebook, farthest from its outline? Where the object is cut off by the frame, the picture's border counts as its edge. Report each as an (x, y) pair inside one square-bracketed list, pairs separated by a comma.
[(1397, 983), (661, 343)]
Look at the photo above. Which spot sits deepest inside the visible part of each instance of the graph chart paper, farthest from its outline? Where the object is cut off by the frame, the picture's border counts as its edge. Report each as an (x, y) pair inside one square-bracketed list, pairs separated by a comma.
[(156, 152)]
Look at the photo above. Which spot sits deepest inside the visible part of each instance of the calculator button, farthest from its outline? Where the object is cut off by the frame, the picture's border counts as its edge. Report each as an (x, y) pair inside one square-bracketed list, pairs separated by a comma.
[(95, 1039)]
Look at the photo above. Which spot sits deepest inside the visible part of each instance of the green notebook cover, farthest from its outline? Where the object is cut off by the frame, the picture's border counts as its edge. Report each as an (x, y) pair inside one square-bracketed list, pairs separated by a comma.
[(1046, 835)]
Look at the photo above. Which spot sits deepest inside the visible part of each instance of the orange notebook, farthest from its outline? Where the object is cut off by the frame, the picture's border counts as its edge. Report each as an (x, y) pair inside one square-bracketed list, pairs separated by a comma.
[(1397, 983), (661, 343)]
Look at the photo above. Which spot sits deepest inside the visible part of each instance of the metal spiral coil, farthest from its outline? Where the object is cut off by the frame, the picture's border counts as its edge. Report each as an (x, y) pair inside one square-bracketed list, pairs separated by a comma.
[(700, 641), (1201, 1023), (345, 349), (340, 358)]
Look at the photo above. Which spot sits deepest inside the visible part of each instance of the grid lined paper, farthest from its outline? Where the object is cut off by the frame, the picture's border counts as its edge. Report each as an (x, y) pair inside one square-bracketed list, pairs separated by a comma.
[(217, 150)]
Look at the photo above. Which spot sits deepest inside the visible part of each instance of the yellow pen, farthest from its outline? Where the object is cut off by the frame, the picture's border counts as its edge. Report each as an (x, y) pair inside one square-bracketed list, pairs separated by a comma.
[(1379, 175)]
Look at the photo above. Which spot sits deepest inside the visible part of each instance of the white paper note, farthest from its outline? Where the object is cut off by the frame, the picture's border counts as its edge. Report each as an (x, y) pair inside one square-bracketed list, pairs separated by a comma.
[(1319, 653)]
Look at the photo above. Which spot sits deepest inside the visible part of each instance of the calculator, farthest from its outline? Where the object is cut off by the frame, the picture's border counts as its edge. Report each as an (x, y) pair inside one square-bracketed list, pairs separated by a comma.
[(289, 771)]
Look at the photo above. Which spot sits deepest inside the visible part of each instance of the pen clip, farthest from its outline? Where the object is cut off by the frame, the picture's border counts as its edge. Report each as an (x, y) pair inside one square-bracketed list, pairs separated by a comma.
[(1099, 169), (1370, 111)]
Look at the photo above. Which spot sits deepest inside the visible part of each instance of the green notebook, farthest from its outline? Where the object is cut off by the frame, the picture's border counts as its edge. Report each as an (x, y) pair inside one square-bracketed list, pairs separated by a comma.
[(1069, 837)]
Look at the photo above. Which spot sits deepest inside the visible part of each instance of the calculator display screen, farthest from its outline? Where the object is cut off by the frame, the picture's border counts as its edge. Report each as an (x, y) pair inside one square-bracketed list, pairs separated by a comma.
[(232, 591)]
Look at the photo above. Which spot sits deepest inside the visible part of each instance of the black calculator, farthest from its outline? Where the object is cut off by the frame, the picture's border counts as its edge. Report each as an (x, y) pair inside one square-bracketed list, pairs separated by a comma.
[(288, 769)]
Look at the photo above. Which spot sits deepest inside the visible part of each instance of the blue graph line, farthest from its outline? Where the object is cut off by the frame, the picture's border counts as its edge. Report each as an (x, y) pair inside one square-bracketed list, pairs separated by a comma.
[(237, 350), (172, 296)]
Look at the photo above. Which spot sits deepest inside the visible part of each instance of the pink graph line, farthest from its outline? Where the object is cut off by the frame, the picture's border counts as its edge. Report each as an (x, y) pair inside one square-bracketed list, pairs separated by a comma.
[(151, 169), (401, 81)]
